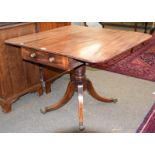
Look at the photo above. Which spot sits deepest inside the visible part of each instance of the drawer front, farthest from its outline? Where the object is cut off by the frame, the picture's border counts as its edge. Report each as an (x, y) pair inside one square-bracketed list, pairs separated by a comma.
[(49, 59)]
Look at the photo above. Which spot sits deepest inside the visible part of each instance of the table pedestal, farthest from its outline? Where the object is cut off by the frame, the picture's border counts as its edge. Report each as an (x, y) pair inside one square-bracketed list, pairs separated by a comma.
[(78, 83)]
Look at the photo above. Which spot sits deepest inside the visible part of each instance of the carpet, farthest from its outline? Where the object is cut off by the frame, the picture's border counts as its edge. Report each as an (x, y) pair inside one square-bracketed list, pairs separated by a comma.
[(124, 117), (138, 62), (148, 124)]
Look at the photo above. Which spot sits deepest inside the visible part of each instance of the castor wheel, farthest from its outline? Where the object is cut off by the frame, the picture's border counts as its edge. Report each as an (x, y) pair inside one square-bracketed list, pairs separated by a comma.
[(81, 126), (43, 110), (115, 100)]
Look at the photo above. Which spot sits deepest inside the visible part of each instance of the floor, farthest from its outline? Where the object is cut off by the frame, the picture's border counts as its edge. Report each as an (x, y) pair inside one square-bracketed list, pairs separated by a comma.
[(135, 98)]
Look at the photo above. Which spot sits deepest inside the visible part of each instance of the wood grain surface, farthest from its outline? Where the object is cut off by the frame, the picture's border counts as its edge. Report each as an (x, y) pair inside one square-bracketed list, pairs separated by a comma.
[(86, 44)]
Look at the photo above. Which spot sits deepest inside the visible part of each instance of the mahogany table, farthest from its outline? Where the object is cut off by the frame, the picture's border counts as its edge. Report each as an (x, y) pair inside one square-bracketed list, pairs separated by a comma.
[(71, 48)]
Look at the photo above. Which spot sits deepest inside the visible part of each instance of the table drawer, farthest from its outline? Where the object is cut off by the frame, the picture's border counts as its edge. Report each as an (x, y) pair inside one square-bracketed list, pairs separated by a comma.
[(49, 59)]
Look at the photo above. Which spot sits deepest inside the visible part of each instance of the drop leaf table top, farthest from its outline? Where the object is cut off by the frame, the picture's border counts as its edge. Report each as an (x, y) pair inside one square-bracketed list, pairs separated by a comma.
[(86, 44)]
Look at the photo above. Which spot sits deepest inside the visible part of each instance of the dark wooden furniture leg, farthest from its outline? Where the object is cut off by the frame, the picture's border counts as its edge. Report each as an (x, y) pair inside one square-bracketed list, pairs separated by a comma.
[(152, 30), (78, 83), (85, 23), (40, 91), (102, 24), (135, 26), (145, 27)]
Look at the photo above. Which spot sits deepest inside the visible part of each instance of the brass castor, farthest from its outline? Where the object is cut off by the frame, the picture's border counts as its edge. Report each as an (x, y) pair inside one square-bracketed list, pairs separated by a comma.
[(43, 111), (115, 100), (81, 126)]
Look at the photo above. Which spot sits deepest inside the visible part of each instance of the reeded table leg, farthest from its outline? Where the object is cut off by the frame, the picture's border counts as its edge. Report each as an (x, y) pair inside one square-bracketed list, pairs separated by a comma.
[(81, 108), (79, 83), (94, 94), (68, 95)]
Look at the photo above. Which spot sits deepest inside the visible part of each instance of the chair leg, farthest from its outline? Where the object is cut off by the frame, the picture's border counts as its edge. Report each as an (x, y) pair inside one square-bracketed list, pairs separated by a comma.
[(135, 28), (85, 24), (152, 30), (102, 24), (145, 31)]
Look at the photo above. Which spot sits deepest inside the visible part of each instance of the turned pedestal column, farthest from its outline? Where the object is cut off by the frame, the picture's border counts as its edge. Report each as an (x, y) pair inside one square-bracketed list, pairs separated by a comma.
[(78, 82)]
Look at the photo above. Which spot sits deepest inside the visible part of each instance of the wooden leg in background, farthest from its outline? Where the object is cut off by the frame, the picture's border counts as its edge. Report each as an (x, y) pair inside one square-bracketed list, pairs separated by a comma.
[(48, 87), (40, 91), (145, 27), (81, 107), (102, 24), (135, 26), (68, 95), (94, 94)]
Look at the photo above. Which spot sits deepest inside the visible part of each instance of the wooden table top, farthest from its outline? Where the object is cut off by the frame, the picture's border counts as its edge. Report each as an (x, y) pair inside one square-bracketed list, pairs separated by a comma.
[(86, 44)]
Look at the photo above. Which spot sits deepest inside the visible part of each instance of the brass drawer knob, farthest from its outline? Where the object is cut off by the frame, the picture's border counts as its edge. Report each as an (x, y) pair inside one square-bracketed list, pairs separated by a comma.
[(51, 59), (33, 55)]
